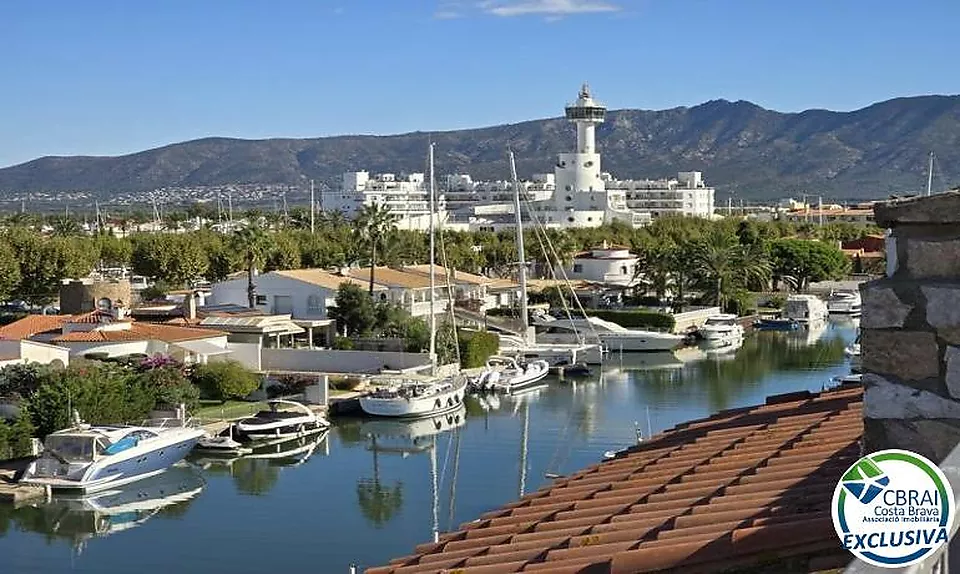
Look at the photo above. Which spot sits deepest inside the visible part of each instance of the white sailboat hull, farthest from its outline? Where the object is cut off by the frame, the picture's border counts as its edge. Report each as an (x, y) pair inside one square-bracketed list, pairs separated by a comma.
[(414, 406)]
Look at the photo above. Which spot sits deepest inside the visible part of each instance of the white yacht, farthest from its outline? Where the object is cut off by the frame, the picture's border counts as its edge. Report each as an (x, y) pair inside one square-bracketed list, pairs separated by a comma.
[(276, 422), (88, 458), (844, 302), (610, 335), (404, 398), (723, 329), (506, 375), (805, 309)]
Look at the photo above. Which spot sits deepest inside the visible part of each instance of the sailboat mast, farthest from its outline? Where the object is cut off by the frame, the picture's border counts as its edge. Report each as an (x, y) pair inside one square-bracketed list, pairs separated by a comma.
[(433, 483), (930, 175), (433, 275), (523, 447), (521, 255)]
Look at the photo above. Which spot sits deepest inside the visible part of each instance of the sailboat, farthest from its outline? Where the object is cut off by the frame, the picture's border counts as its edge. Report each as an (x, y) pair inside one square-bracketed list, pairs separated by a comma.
[(428, 397), (525, 346)]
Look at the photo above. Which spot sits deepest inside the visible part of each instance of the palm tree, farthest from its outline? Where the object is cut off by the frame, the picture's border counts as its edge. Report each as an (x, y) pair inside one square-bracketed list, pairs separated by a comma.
[(251, 243), (373, 223), (725, 265)]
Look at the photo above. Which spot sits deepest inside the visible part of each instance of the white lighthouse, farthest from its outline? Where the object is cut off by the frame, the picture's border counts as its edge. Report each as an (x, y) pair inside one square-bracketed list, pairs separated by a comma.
[(580, 198)]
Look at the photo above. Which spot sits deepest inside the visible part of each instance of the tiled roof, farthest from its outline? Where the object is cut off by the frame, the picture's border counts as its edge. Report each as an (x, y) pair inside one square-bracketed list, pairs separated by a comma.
[(140, 332), (324, 279), (94, 317), (440, 273), (396, 278), (33, 325), (743, 488)]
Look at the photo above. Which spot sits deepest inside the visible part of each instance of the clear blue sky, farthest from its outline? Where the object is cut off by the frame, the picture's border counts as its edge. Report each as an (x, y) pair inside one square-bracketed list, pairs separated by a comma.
[(105, 77)]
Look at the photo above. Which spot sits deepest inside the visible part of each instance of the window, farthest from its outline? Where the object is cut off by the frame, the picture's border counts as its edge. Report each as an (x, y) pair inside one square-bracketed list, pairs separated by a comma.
[(315, 304), (261, 300), (569, 198), (568, 188), (577, 268)]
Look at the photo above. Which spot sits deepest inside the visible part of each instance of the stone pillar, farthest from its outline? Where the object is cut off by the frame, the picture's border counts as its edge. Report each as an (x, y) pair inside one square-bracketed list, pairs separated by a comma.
[(910, 330)]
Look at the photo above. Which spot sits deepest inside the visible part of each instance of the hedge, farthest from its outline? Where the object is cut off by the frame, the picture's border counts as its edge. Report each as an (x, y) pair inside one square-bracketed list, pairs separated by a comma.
[(637, 318), (476, 347)]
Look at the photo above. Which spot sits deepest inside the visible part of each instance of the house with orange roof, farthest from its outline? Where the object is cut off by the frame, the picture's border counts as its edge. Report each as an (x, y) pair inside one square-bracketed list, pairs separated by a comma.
[(110, 333)]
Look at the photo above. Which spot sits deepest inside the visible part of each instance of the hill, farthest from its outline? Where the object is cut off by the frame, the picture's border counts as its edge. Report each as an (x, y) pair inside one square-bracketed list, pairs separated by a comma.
[(741, 148)]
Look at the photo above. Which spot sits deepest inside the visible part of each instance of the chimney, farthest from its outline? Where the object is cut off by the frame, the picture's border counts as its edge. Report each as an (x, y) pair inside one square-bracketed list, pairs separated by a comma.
[(118, 310), (190, 305)]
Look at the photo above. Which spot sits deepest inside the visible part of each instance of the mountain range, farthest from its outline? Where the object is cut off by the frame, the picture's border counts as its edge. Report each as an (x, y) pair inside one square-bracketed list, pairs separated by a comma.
[(742, 149)]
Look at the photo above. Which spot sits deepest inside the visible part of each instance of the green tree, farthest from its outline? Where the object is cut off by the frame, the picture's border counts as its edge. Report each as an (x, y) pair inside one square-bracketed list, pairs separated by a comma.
[(171, 387), (726, 266), (222, 380), (250, 243), (354, 312), (372, 225), (44, 262), (284, 252), (800, 261), (113, 251), (9, 271)]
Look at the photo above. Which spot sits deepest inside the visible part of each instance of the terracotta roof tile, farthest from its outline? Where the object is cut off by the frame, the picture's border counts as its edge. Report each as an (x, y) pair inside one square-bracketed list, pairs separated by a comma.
[(744, 487), (140, 332), (33, 325)]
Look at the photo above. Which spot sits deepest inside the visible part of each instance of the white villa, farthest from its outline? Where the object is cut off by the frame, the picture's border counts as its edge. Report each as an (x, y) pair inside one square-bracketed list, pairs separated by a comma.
[(609, 264)]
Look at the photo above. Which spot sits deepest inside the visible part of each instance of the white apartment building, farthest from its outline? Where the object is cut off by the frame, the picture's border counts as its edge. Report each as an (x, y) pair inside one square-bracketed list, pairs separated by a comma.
[(577, 194), (406, 196), (687, 194)]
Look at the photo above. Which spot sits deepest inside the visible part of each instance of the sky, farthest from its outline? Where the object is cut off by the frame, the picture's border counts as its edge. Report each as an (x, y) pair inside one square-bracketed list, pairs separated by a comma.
[(109, 77)]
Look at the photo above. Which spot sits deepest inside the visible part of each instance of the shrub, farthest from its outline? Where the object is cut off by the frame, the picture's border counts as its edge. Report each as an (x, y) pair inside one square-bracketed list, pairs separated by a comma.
[(100, 392), (343, 344), (344, 383), (476, 347), (15, 438), (224, 380), (289, 385), (776, 301), (19, 381), (170, 387), (637, 318)]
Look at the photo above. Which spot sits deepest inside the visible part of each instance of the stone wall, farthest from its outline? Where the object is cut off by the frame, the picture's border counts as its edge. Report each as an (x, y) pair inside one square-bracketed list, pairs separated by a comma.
[(81, 295), (910, 330)]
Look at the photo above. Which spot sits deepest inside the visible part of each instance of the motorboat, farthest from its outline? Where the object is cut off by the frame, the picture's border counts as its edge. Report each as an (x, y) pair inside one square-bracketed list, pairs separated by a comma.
[(806, 309), (90, 458), (844, 302), (415, 398), (506, 375), (275, 422), (608, 334), (722, 329), (222, 444)]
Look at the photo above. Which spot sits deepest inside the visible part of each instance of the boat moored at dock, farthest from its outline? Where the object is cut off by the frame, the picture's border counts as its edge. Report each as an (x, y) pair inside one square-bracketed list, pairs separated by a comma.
[(844, 302), (415, 398), (507, 375), (87, 458), (275, 422)]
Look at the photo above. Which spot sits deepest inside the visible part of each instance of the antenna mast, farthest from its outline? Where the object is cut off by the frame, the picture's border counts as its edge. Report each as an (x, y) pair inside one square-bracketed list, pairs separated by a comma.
[(313, 208), (930, 175)]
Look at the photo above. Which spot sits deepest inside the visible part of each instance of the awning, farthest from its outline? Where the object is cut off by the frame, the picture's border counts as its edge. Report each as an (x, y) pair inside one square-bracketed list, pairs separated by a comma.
[(200, 347)]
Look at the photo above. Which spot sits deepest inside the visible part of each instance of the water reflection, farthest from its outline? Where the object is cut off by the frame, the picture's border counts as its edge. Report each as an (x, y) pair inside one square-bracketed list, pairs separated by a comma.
[(256, 473), (79, 519), (379, 502)]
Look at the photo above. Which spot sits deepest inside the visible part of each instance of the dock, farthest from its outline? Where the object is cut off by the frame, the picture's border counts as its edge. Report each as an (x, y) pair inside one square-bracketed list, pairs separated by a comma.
[(12, 492)]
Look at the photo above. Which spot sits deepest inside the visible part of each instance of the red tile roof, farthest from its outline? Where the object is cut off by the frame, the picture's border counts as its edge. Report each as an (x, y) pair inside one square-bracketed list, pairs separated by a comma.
[(94, 317), (742, 488), (140, 332), (33, 325)]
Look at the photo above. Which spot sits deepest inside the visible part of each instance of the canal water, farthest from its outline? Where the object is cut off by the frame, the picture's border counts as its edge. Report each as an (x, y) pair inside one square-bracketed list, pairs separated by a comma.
[(369, 491)]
